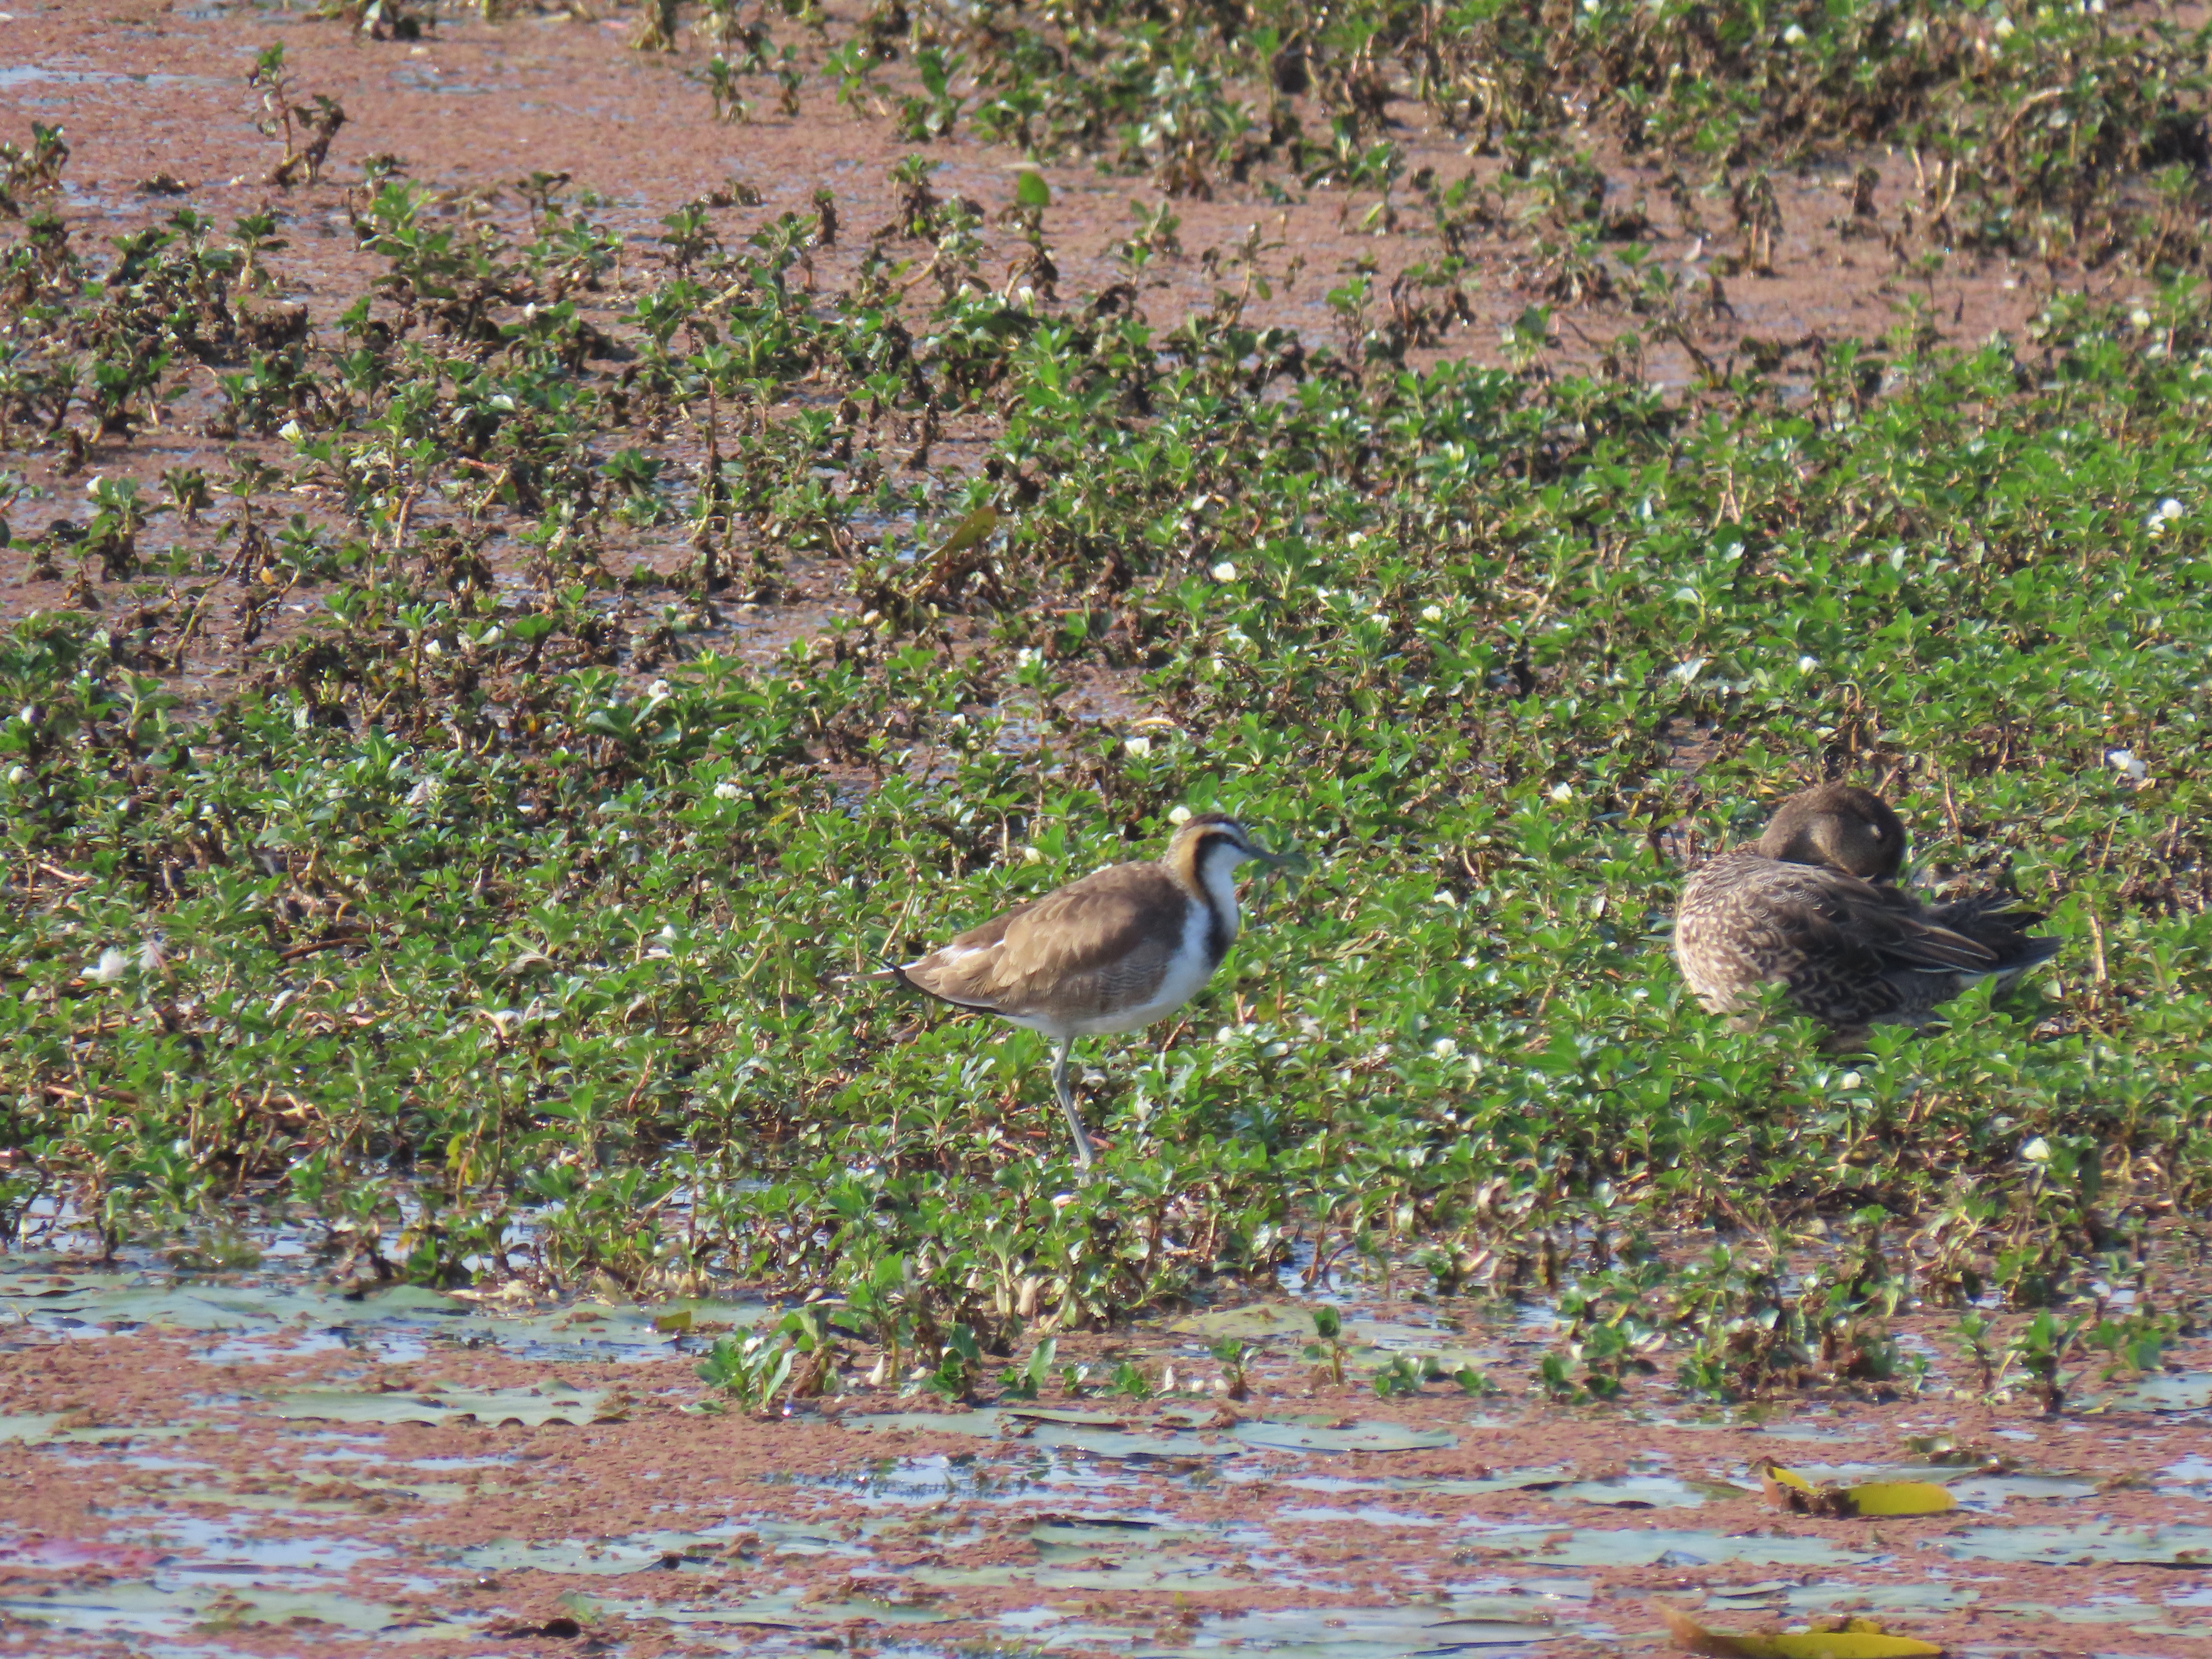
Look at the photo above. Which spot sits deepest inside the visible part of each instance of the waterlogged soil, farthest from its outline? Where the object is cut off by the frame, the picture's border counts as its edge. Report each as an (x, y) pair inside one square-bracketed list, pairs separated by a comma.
[(257, 1461), (154, 97)]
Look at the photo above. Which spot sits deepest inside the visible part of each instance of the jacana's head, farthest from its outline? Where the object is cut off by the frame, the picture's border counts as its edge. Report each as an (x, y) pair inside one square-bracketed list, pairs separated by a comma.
[(1214, 841), (1840, 826)]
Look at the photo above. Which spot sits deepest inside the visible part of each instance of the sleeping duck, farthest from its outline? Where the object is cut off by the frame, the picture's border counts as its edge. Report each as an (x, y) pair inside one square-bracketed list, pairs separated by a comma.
[(1814, 907)]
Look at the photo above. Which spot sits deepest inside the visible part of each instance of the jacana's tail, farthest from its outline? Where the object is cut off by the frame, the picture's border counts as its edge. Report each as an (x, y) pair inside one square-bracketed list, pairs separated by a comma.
[(880, 973)]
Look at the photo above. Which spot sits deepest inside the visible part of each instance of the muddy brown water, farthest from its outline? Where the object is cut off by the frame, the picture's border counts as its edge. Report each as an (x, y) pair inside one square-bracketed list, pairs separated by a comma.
[(211, 1465), (260, 1463)]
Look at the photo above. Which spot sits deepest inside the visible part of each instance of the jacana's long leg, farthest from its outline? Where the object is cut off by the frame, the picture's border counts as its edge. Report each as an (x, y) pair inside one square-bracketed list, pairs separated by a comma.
[(1067, 1103)]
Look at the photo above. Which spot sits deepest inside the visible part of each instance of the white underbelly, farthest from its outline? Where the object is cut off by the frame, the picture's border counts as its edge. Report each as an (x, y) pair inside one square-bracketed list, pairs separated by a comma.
[(1187, 972)]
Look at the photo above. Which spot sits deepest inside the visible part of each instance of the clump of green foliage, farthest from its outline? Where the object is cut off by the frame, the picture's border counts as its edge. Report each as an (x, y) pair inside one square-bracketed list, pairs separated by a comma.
[(493, 927)]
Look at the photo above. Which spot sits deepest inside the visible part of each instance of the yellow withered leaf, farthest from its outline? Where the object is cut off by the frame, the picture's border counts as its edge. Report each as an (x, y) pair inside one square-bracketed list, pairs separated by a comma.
[(1787, 1489), (1864, 1642), (970, 530), (1900, 1498)]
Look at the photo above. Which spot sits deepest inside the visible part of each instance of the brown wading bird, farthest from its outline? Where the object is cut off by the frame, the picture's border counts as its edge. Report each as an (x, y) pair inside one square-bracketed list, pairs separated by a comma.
[(1813, 906), (1111, 952)]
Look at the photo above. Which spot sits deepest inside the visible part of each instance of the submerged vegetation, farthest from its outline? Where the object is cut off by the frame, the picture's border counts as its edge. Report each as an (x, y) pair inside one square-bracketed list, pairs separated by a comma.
[(490, 928)]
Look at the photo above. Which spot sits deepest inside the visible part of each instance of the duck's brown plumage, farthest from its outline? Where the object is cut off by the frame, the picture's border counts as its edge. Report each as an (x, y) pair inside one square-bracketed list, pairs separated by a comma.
[(1811, 907)]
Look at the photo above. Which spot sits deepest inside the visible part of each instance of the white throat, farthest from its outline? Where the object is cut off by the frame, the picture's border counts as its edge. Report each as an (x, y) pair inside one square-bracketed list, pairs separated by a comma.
[(1219, 876)]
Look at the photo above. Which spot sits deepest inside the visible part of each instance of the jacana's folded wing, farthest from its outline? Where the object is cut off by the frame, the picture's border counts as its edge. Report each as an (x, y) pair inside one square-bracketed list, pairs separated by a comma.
[(1083, 947)]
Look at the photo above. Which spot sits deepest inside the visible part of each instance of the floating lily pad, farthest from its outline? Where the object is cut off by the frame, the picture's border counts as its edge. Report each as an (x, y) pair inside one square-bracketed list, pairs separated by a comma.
[(651, 1551), (1074, 1419), (2092, 1540), (125, 1300), (1327, 1633), (1661, 1547), (2168, 1391), (45, 1429), (525, 1406), (1993, 1491), (785, 1610), (136, 1607), (1472, 1487), (1831, 1596), (1095, 1433), (1648, 1491), (1320, 1434)]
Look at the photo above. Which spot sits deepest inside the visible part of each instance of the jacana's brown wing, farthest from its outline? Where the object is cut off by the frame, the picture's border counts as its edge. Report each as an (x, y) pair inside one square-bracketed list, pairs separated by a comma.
[(1075, 951)]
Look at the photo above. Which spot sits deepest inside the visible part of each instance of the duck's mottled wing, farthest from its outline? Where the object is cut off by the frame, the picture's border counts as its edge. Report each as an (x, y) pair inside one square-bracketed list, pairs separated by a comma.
[(2000, 926), (1072, 948), (1893, 925), (1840, 945)]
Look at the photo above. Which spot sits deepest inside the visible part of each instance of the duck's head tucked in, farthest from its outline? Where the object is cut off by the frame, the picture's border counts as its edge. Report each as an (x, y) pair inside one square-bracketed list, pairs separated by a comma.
[(1839, 827)]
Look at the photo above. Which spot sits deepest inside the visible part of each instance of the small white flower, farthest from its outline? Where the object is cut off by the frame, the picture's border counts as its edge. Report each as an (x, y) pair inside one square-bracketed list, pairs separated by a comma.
[(2125, 760), (1687, 671), (1224, 572), (291, 432), (109, 968), (1805, 665), (1793, 36), (2170, 508), (1444, 1048), (1432, 613), (2037, 1150), (660, 691), (1138, 745), (1024, 656), (726, 791), (17, 773), (1852, 1081), (1562, 792), (2002, 28), (2139, 318), (433, 650), (1178, 815), (1032, 854)]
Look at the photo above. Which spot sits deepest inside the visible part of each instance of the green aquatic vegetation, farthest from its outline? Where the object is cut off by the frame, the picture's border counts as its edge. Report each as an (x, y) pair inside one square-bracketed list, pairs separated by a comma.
[(492, 927)]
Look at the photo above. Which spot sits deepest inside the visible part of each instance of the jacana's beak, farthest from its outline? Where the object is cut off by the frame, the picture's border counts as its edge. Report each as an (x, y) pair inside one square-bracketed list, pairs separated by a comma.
[(1293, 862)]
